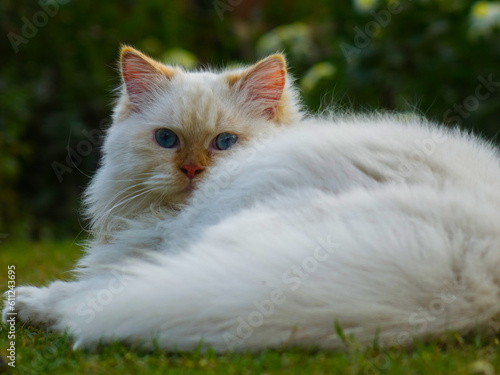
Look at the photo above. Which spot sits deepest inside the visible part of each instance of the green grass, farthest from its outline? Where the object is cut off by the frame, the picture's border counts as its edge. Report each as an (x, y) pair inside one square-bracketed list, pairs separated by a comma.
[(38, 351)]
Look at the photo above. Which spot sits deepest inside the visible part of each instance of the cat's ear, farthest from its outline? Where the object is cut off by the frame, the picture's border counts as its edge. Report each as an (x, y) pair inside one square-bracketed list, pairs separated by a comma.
[(262, 85), (142, 76)]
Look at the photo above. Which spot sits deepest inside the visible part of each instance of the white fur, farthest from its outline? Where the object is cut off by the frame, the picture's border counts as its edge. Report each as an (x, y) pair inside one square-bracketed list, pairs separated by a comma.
[(137, 177), (386, 226)]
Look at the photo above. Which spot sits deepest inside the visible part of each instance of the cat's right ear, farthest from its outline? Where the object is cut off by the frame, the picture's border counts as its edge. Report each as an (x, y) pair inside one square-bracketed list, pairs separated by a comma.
[(262, 86), (141, 76)]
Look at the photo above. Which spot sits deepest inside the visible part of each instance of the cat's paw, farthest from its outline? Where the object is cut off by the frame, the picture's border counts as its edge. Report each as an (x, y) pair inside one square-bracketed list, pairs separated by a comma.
[(27, 303)]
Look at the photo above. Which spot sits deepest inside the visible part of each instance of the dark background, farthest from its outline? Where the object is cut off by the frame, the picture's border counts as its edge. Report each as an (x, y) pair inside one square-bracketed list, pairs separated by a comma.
[(58, 61)]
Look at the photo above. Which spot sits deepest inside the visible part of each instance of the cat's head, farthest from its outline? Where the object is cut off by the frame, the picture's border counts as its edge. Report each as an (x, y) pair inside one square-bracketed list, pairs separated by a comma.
[(169, 127)]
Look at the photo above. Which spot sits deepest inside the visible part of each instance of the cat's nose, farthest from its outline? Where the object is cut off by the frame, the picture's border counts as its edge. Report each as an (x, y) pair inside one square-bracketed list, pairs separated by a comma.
[(191, 170)]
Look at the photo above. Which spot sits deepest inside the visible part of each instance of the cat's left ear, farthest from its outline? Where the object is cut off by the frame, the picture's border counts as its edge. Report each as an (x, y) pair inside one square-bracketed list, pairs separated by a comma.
[(142, 76), (262, 85)]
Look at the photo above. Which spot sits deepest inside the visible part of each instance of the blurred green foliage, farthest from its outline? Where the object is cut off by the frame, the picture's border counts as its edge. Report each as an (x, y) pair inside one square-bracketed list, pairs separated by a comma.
[(428, 56)]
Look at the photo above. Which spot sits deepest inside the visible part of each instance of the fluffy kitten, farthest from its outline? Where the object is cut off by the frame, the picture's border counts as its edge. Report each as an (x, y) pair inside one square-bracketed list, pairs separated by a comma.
[(140, 176), (385, 226)]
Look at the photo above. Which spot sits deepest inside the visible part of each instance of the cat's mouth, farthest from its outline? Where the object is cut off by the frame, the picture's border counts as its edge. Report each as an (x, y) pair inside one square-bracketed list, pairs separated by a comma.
[(191, 186)]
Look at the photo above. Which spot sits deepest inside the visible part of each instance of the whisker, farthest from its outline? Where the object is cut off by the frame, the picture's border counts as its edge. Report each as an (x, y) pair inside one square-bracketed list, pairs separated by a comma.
[(139, 176), (130, 198), (124, 192)]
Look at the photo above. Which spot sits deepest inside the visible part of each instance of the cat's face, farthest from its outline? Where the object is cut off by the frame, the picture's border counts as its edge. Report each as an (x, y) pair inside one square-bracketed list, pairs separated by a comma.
[(170, 126)]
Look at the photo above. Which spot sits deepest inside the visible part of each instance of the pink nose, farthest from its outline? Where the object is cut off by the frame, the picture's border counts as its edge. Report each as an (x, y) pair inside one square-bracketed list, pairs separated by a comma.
[(191, 170)]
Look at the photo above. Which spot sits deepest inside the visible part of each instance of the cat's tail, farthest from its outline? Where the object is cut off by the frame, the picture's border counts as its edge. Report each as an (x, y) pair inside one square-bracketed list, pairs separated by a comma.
[(391, 265)]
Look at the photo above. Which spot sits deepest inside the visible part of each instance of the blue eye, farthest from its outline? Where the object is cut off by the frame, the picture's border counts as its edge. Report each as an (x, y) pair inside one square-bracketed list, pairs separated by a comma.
[(225, 140), (166, 138)]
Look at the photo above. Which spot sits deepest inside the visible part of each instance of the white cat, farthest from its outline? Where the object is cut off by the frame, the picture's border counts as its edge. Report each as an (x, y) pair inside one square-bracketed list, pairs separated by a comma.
[(385, 226)]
